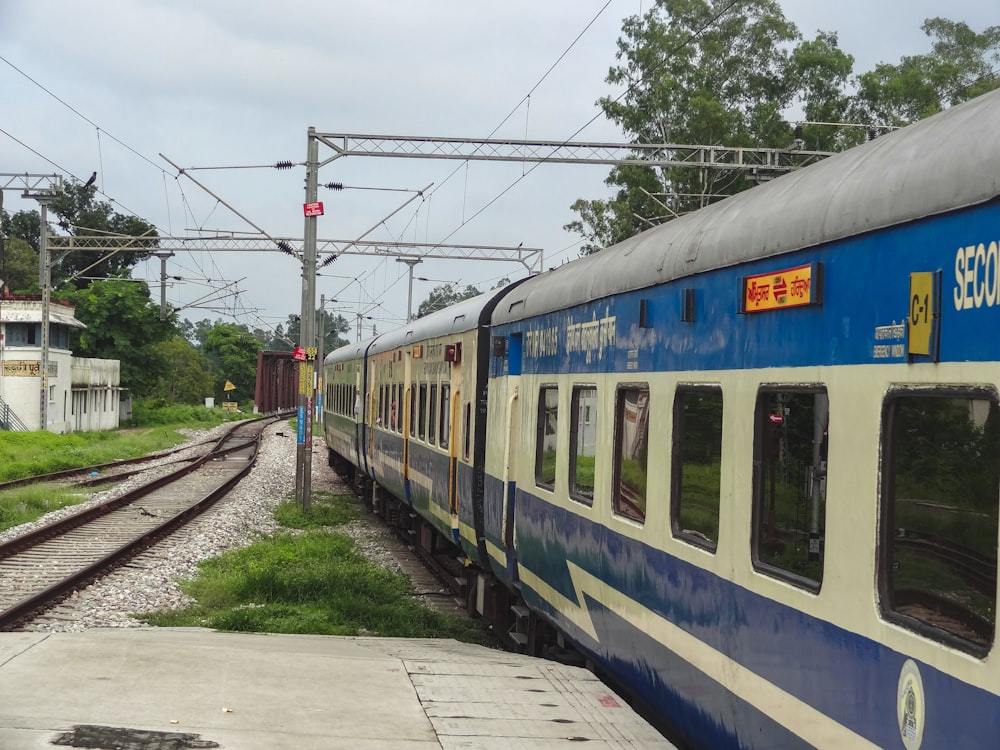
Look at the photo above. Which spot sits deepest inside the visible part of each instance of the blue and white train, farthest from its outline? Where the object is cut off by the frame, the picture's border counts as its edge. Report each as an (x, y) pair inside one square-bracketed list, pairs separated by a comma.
[(746, 463)]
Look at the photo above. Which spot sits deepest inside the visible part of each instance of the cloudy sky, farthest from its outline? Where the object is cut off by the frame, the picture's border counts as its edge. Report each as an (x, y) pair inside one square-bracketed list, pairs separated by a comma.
[(111, 86)]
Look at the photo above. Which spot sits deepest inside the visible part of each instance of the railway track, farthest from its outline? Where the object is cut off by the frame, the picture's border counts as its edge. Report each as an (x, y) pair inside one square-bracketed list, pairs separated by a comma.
[(41, 567)]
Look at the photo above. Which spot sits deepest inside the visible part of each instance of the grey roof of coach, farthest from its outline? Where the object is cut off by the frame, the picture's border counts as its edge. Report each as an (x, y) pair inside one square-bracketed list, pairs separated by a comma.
[(943, 163)]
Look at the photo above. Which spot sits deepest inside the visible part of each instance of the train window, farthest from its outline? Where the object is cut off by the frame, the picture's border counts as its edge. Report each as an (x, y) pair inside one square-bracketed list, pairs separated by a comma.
[(422, 412), (789, 487), (432, 415), (413, 410), (545, 436), (940, 490), (696, 463), (631, 446), (467, 431), (445, 412), (394, 414), (582, 443)]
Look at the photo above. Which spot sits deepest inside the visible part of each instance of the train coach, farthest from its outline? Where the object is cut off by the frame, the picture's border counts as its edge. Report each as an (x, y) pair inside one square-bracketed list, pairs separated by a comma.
[(748, 462), (407, 420)]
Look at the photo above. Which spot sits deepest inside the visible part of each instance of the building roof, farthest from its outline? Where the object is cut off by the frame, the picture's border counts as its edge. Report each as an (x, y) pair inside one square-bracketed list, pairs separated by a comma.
[(30, 311)]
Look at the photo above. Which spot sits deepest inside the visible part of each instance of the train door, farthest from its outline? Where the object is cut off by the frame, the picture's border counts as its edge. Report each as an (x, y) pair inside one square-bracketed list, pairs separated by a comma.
[(512, 438)]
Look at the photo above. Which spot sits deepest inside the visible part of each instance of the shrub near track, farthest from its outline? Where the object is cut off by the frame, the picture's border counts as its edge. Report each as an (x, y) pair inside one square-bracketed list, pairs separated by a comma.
[(311, 582)]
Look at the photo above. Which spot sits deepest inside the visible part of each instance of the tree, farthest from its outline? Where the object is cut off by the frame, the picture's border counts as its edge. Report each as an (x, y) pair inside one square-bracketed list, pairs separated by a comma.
[(19, 266), (703, 72), (331, 325), (123, 323), (187, 376), (709, 72), (78, 212), (23, 224), (443, 296), (960, 66), (233, 352)]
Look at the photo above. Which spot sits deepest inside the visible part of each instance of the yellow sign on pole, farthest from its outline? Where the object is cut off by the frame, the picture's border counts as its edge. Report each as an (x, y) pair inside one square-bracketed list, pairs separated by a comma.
[(229, 386)]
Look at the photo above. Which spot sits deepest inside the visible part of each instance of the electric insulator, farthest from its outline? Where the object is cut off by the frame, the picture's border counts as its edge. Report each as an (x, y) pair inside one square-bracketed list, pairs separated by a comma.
[(285, 248), (334, 186), (283, 165), (329, 259)]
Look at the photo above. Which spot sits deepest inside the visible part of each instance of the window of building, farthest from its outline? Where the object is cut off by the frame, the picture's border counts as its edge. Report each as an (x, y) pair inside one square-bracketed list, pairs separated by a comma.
[(789, 489), (631, 449), (545, 436), (22, 334), (940, 491), (696, 462), (582, 443)]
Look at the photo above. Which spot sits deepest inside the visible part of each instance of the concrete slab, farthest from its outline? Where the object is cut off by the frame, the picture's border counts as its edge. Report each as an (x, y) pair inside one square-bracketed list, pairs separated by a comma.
[(289, 692)]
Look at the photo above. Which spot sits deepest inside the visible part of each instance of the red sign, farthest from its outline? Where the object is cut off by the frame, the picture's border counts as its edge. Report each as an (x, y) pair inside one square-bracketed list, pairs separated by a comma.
[(300, 354), (313, 209)]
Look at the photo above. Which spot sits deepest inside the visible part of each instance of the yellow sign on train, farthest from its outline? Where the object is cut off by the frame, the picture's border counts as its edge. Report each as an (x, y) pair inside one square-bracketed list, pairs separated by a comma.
[(789, 287), (922, 305)]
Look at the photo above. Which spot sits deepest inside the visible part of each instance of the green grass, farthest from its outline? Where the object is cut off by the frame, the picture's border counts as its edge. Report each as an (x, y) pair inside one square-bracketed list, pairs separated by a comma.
[(315, 582), (326, 509), (25, 504), (28, 454)]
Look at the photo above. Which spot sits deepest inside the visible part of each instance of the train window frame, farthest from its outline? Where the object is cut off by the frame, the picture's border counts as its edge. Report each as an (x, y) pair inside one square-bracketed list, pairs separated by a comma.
[(444, 414), (891, 532), (765, 424), (467, 432), (623, 507), (413, 410), (682, 528), (590, 424), (422, 413), (432, 425), (545, 411)]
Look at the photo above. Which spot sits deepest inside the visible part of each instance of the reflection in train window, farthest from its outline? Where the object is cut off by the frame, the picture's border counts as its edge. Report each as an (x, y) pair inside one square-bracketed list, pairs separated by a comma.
[(582, 443), (941, 484), (631, 447), (545, 436), (789, 488), (696, 465)]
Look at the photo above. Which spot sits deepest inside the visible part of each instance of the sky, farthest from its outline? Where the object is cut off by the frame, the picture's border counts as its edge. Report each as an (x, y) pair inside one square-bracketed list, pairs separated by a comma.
[(116, 86)]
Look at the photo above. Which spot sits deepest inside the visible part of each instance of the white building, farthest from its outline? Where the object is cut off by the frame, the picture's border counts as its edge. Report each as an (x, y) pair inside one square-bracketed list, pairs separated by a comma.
[(83, 394)]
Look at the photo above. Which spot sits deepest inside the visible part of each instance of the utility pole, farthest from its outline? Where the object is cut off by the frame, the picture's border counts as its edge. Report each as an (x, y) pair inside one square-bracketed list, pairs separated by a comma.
[(411, 262), (163, 282), (307, 330)]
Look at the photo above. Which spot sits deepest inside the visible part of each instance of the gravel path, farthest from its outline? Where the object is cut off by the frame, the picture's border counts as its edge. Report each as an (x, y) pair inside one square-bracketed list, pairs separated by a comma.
[(148, 582)]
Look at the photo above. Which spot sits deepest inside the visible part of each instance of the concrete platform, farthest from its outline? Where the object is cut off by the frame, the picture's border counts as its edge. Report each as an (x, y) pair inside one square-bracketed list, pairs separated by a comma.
[(172, 689)]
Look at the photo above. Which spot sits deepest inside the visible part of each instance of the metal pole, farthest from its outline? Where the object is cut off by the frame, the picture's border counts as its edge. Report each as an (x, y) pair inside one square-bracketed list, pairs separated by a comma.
[(163, 283), (43, 252), (411, 262), (307, 332), (320, 354)]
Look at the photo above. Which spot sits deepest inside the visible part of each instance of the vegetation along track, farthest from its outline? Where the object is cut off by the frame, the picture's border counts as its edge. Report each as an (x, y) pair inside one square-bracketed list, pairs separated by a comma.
[(42, 566)]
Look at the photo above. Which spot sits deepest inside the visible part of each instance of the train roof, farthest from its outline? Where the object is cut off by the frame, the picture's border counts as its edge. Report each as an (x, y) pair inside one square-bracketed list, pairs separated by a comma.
[(946, 162), (458, 318), (349, 352)]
